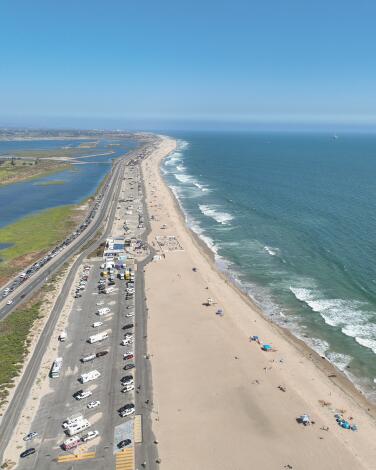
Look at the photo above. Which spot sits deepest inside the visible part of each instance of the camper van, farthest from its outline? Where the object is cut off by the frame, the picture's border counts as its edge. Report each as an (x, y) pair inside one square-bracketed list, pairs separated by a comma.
[(89, 376), (81, 426), (71, 443), (56, 367), (72, 420), (98, 337)]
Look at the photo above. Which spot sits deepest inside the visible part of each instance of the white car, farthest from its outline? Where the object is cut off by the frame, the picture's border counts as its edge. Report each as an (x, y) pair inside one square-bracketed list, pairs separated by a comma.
[(127, 341), (10, 302), (93, 404), (89, 436), (96, 324), (128, 388), (130, 314)]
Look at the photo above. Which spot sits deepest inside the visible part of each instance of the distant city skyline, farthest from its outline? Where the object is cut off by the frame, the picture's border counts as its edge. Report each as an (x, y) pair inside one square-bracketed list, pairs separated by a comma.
[(198, 64)]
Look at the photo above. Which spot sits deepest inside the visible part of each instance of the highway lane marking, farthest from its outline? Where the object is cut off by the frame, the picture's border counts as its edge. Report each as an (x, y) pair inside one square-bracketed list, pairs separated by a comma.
[(125, 459), (138, 428), (75, 457)]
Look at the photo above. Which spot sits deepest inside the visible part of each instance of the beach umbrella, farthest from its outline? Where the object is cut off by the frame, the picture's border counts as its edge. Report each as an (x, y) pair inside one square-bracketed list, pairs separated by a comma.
[(266, 347)]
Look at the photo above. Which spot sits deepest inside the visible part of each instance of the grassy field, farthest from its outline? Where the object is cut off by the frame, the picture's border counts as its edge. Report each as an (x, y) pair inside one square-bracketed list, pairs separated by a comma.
[(23, 170), (53, 153), (34, 235), (14, 344), (50, 183)]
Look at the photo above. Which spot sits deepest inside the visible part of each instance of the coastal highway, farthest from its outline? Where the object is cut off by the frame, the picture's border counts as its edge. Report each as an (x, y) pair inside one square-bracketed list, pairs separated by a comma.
[(106, 211), (26, 289)]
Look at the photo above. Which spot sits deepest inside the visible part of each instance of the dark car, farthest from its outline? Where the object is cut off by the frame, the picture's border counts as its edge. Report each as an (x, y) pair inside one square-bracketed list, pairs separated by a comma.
[(126, 327), (129, 366), (27, 452), (124, 443), (127, 378), (128, 406), (128, 357), (101, 353)]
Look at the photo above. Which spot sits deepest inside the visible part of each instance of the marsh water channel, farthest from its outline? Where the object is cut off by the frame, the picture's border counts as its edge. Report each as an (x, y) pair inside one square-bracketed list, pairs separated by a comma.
[(70, 186)]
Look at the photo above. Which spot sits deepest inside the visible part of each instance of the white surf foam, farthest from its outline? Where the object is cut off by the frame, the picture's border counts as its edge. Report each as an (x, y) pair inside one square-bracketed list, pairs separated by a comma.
[(348, 314), (202, 187), (271, 251), (183, 178), (199, 231), (219, 216), (173, 159), (341, 361), (335, 312)]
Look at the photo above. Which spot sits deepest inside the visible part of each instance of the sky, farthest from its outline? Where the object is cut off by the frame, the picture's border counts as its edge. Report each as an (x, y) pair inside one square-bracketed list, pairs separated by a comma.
[(187, 63)]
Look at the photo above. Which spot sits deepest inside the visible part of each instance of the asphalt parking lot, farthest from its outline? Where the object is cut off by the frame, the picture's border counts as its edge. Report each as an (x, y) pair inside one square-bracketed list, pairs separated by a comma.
[(59, 404)]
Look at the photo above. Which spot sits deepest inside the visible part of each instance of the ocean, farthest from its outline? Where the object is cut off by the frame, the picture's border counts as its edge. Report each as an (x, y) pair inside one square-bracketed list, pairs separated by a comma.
[(291, 219)]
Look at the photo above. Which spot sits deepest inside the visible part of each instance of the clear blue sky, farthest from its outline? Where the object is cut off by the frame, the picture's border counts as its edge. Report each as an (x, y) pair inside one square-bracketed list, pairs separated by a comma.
[(151, 62)]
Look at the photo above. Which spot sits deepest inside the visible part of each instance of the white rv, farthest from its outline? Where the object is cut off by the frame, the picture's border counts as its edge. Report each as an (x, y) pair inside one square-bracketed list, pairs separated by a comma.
[(98, 337), (92, 375), (81, 426)]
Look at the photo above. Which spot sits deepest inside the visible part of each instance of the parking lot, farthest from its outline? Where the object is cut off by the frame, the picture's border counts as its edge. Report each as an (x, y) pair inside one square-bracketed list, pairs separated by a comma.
[(108, 357)]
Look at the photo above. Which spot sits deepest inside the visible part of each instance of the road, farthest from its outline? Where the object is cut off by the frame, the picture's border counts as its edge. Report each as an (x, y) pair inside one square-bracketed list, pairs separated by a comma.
[(105, 212), (26, 290), (58, 405)]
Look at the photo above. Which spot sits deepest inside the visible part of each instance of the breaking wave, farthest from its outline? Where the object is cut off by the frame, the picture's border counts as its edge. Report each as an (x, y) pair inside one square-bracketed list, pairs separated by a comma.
[(211, 211)]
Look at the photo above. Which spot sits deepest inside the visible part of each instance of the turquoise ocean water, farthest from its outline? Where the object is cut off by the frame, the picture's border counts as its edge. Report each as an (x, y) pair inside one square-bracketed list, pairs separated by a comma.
[(291, 219)]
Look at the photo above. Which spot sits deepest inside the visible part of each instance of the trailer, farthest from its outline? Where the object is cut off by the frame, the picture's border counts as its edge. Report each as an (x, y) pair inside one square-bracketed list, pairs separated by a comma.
[(98, 337), (89, 376), (56, 368)]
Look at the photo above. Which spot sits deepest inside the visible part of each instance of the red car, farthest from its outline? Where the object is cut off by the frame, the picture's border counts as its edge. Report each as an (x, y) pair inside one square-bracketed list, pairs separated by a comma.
[(129, 356)]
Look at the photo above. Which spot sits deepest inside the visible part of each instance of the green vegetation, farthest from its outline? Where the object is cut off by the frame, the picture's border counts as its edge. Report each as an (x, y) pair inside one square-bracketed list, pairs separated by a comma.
[(14, 344), (34, 235), (70, 152), (15, 170), (50, 183)]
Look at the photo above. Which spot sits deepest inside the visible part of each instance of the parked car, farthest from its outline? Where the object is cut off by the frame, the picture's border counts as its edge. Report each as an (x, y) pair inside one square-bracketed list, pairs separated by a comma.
[(128, 379), (128, 388), (30, 436), (27, 452), (89, 436), (81, 394), (101, 353), (93, 404), (124, 443), (129, 366), (127, 410)]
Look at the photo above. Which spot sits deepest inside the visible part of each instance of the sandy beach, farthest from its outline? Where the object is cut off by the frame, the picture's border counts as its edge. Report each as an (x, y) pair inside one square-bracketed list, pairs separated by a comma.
[(219, 400)]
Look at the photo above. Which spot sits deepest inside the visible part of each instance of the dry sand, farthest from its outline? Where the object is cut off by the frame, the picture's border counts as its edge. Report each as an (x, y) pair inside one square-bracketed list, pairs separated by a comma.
[(216, 399)]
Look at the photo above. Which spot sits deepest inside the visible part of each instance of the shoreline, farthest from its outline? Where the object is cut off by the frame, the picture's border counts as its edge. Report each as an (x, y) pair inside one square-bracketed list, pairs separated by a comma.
[(341, 380), (305, 365)]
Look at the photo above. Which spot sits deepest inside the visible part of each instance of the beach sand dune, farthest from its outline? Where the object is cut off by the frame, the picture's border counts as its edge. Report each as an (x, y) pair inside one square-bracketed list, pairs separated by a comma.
[(219, 401)]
